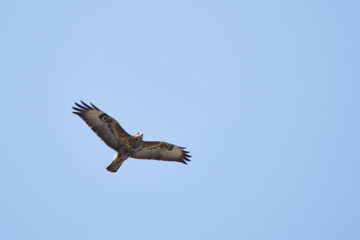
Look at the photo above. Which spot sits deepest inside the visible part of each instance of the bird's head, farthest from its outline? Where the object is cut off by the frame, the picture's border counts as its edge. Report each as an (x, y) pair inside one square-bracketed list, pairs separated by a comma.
[(138, 140), (138, 135)]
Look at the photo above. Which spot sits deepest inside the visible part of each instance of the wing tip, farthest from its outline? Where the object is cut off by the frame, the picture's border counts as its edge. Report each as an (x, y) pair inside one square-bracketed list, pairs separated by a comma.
[(94, 106), (83, 106), (77, 113), (186, 155)]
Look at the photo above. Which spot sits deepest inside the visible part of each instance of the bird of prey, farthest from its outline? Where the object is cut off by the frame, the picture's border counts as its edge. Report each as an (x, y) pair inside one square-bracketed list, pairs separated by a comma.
[(110, 131)]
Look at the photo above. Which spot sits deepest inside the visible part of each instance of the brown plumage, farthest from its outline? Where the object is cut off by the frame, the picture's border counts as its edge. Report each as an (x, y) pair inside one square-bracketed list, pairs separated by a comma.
[(110, 131)]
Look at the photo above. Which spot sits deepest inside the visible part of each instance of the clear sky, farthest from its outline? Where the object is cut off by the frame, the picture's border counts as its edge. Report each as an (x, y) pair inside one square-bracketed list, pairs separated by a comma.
[(265, 95)]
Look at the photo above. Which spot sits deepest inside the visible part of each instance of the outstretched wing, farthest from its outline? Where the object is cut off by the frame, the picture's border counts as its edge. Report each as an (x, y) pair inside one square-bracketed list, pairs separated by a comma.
[(162, 151), (107, 128)]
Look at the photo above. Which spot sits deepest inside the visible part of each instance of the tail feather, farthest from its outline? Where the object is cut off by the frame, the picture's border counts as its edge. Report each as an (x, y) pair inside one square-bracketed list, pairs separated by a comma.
[(115, 165)]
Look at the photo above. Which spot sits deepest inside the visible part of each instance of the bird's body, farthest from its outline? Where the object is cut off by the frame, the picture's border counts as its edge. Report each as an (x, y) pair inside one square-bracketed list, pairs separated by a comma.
[(127, 149), (110, 131)]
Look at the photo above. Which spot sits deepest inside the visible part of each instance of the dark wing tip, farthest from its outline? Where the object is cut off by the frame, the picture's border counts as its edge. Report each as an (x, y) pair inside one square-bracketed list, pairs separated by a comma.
[(94, 106), (182, 161), (77, 113), (186, 156), (77, 109), (81, 108), (87, 106)]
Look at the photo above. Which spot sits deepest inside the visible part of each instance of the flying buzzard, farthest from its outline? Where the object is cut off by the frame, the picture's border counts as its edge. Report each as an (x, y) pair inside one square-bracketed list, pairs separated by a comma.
[(110, 131)]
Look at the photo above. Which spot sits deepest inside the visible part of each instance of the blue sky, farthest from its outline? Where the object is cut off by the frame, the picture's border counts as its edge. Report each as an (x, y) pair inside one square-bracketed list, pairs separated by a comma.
[(265, 95)]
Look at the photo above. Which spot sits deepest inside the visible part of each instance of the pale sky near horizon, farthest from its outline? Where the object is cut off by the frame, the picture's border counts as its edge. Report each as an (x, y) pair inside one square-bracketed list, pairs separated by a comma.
[(264, 94)]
